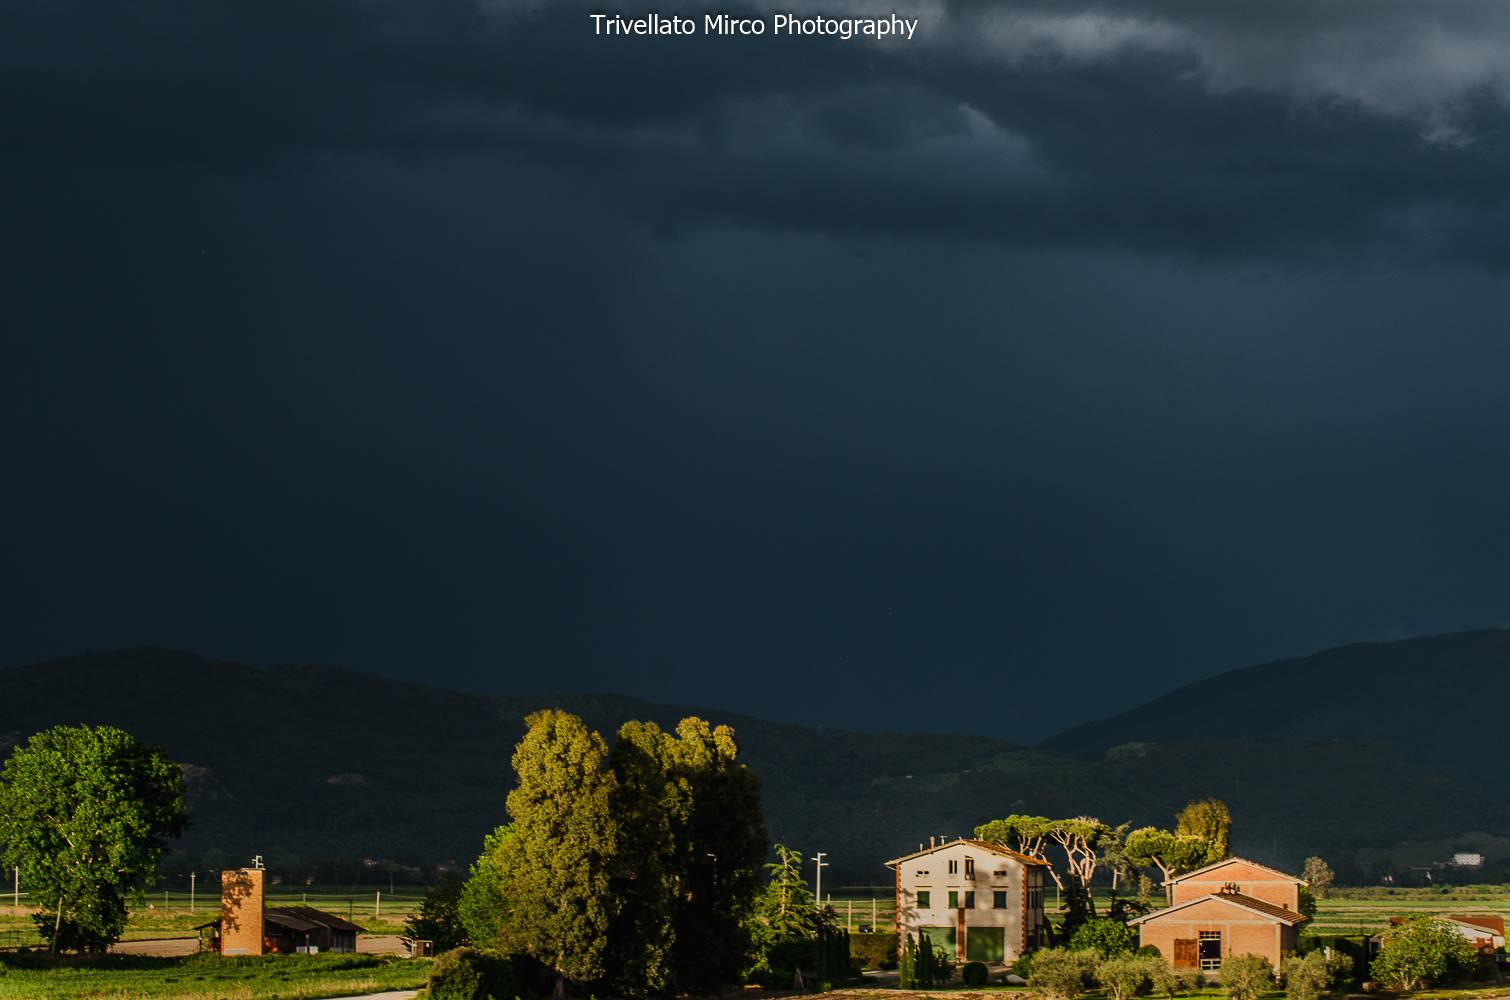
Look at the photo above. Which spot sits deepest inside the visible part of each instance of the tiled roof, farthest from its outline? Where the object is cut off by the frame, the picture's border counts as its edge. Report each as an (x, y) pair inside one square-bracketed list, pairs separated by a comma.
[(984, 845), (1259, 906), (1227, 861)]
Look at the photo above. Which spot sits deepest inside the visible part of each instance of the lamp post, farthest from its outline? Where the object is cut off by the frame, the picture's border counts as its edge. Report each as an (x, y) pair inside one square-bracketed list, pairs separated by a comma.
[(818, 878)]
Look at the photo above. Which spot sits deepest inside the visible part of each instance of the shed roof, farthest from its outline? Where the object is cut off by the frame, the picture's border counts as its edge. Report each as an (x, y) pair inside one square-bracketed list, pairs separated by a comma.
[(1278, 914), (310, 915), (984, 845)]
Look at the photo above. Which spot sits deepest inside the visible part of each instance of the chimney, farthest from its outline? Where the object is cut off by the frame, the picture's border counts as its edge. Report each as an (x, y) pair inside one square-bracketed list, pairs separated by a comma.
[(931, 843)]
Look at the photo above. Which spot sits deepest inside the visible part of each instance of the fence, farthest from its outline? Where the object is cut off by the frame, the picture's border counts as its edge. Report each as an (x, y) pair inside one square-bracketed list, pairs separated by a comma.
[(866, 906)]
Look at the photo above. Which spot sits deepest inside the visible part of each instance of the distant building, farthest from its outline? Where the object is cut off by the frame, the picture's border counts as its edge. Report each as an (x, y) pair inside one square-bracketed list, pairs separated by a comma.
[(1468, 859), (246, 926), (978, 901), (1485, 930), (1233, 907)]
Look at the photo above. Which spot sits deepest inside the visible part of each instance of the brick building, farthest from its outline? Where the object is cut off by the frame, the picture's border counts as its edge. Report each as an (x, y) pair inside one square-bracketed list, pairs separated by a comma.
[(978, 901), (1233, 907), (247, 926)]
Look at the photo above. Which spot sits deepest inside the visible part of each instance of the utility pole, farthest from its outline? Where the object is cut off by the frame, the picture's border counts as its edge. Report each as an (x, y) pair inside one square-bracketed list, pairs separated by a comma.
[(15, 899), (191, 891), (818, 885), (377, 906)]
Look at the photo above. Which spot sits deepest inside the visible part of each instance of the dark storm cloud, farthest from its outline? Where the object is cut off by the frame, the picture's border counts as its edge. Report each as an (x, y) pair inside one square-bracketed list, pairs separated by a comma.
[(1248, 129), (448, 340)]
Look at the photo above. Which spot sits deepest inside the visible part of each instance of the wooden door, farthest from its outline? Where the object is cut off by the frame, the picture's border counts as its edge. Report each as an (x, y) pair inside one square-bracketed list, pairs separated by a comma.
[(1185, 950)]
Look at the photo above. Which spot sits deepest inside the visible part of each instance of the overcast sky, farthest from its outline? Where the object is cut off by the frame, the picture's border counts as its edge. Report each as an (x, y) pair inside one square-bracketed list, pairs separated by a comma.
[(1065, 351)]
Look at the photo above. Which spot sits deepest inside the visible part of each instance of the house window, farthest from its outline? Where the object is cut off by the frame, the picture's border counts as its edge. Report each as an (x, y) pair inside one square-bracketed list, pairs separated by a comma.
[(969, 899), (953, 899), (999, 900), (954, 867), (969, 868), (1211, 951), (923, 899)]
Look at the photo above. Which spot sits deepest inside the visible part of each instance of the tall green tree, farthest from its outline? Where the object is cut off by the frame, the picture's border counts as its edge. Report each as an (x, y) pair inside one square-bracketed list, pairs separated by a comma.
[(558, 864), (721, 849), (652, 808), (786, 919), (85, 814), (1209, 820), (483, 907), (1319, 875)]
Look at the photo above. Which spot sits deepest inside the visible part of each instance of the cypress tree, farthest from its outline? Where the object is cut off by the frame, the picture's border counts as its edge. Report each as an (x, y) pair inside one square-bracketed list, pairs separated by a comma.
[(559, 860)]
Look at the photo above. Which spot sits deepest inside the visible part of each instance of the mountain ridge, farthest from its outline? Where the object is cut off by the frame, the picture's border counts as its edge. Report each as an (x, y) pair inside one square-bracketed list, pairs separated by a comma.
[(307, 763), (1360, 692)]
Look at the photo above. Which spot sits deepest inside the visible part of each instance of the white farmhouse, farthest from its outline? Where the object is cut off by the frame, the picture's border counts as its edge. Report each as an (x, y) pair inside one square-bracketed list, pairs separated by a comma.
[(980, 902)]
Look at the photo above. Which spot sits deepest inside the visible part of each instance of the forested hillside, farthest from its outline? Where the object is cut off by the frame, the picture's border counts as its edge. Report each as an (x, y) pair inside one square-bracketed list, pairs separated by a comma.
[(303, 764)]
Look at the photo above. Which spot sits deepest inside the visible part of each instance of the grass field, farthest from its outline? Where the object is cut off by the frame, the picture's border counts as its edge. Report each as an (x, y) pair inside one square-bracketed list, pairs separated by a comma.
[(175, 915), (205, 977)]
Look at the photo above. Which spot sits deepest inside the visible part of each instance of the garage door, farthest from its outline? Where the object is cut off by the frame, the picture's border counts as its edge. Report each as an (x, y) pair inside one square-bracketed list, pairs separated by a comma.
[(985, 944), (942, 937)]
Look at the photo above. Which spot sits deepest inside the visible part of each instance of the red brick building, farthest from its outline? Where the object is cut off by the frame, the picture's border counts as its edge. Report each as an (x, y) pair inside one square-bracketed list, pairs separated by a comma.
[(1233, 907)]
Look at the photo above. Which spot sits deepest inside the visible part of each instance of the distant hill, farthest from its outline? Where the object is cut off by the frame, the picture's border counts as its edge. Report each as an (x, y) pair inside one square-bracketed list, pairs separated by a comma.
[(325, 763), (1435, 701)]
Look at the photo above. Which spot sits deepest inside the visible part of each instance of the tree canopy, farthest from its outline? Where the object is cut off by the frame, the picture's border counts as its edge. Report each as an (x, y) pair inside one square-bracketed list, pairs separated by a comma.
[(85, 814), (1209, 820), (557, 865), (636, 869)]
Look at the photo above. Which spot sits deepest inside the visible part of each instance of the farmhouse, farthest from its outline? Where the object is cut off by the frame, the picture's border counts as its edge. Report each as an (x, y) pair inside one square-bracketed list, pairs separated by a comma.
[(1233, 907), (247, 927), (981, 902)]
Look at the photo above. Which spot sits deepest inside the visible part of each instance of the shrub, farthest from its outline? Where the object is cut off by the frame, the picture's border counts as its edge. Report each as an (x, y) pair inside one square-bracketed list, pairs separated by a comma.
[(457, 975), (975, 974), (469, 974), (1061, 974), (874, 951), (1123, 976), (1309, 977), (1171, 983), (1421, 952), (1024, 965), (1149, 951), (1246, 977), (1106, 936)]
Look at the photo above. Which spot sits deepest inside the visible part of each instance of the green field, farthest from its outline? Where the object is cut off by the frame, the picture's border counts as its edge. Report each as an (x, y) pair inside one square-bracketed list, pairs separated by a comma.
[(208, 977), (175, 915)]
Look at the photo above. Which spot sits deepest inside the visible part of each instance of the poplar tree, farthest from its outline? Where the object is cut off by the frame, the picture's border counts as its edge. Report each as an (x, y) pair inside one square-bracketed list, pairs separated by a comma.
[(652, 809), (721, 849), (558, 861)]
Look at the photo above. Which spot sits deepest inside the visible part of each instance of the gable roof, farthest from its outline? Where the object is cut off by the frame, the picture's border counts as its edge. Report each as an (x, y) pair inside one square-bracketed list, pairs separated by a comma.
[(984, 845), (309, 915), (1227, 861), (1278, 914)]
